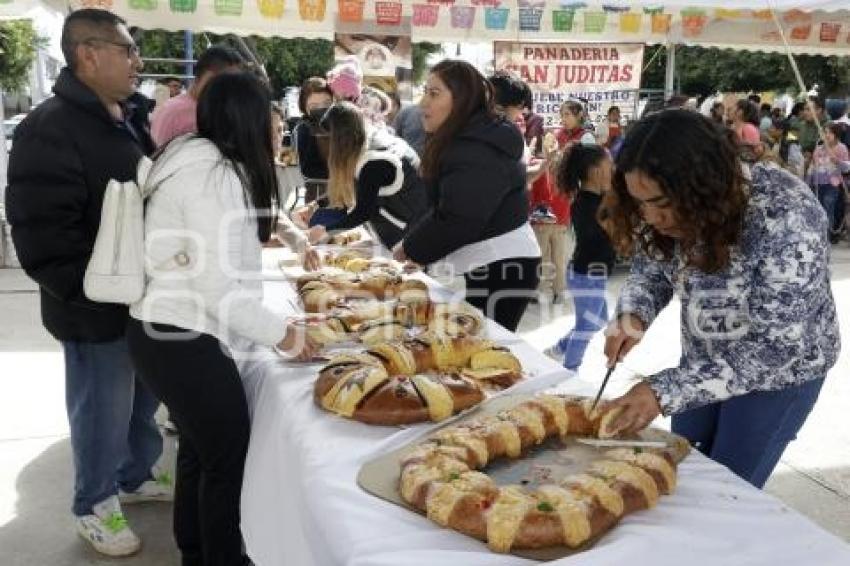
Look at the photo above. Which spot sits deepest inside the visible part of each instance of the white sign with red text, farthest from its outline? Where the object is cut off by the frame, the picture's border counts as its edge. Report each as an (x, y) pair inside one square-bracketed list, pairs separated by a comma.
[(603, 74)]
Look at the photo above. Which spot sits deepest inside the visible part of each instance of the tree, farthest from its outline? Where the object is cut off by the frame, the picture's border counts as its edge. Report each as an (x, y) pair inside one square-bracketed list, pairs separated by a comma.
[(18, 46), (421, 51), (288, 62), (704, 71)]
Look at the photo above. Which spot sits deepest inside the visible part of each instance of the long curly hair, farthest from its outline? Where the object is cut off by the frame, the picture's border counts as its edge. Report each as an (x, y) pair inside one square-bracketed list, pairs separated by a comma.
[(696, 165)]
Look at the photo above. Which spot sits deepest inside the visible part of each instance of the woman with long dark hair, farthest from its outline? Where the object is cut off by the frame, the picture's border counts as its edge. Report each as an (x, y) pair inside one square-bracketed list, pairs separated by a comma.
[(372, 179), (478, 221), (745, 122), (205, 223), (750, 262), (573, 130)]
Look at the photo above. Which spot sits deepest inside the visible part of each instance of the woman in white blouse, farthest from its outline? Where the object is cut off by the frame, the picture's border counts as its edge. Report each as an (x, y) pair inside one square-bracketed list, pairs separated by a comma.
[(205, 224)]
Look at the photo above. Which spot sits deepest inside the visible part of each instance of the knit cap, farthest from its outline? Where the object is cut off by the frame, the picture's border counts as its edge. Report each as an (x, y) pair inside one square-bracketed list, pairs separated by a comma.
[(346, 79)]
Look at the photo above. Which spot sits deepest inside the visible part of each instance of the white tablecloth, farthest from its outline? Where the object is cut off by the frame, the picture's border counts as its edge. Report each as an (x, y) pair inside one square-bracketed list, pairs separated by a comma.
[(301, 505)]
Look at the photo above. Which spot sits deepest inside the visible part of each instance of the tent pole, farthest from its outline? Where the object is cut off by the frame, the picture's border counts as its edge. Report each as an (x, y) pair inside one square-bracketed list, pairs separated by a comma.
[(670, 73), (3, 164), (189, 53)]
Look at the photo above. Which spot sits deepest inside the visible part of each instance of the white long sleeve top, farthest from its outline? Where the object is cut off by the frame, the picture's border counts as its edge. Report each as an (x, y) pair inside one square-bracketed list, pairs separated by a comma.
[(203, 256)]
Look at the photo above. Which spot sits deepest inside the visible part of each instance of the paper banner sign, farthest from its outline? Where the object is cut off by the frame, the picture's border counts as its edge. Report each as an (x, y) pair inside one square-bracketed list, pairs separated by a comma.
[(388, 13), (829, 32), (594, 22), (496, 18), (463, 17), (351, 11), (693, 22), (425, 15), (141, 5), (312, 10), (733, 26), (801, 33), (272, 9), (630, 22), (563, 20)]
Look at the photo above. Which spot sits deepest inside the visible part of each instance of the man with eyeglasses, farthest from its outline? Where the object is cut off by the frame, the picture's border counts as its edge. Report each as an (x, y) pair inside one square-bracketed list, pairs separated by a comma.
[(94, 129)]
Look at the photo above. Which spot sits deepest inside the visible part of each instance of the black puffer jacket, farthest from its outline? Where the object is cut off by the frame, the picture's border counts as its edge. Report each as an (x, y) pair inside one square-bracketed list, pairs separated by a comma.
[(479, 193), (63, 155)]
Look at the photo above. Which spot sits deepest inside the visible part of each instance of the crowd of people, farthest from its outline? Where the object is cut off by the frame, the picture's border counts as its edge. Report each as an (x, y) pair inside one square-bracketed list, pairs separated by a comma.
[(807, 142), (468, 178)]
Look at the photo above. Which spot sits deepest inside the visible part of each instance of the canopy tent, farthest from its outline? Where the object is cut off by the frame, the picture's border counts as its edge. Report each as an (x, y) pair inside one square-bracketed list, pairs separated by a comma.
[(811, 26)]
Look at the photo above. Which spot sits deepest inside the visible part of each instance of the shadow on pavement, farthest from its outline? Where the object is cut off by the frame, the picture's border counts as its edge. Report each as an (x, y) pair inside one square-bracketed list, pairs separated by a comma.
[(43, 532)]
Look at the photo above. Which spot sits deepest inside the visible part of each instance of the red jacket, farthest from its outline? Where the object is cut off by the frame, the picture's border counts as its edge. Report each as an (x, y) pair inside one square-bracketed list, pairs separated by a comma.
[(565, 136), (544, 192)]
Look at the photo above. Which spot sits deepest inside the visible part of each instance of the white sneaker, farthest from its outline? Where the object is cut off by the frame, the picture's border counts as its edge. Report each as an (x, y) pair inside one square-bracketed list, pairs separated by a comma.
[(555, 353), (107, 530), (161, 488)]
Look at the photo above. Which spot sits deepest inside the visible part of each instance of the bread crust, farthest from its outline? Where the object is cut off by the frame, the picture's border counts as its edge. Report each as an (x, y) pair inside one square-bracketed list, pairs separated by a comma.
[(439, 478), (422, 380)]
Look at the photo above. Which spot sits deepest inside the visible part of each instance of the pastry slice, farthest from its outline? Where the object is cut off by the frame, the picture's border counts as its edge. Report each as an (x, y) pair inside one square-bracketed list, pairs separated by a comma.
[(373, 332), (396, 357), (354, 386)]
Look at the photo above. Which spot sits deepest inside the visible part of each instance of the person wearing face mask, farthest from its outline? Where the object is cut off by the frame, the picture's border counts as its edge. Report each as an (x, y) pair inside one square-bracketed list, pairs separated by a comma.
[(476, 181), (94, 129), (750, 263), (311, 143)]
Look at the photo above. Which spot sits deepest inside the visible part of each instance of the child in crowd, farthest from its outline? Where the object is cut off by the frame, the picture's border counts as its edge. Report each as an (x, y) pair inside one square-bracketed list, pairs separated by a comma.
[(572, 125), (584, 175)]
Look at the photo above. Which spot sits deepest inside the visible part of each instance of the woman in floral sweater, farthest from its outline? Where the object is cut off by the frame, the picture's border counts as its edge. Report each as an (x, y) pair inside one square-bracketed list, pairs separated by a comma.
[(750, 263)]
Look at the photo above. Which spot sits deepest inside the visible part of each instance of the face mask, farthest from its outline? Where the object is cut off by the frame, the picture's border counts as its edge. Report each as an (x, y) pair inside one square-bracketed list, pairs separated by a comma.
[(316, 114)]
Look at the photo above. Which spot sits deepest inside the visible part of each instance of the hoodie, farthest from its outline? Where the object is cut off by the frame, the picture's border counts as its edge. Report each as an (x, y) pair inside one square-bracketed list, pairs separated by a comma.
[(203, 259), (478, 194)]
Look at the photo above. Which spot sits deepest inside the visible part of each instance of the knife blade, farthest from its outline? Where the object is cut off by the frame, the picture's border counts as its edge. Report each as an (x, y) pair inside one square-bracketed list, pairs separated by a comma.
[(602, 387), (615, 443), (607, 377)]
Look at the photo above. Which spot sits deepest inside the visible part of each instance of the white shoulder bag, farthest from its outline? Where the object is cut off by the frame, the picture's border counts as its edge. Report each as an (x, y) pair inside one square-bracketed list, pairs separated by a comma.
[(116, 270)]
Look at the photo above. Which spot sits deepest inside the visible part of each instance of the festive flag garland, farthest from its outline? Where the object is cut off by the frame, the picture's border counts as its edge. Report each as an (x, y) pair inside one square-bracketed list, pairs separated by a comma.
[(547, 20)]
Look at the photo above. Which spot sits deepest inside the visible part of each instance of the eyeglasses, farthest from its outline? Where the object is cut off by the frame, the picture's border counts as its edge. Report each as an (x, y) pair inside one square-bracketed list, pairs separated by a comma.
[(131, 48)]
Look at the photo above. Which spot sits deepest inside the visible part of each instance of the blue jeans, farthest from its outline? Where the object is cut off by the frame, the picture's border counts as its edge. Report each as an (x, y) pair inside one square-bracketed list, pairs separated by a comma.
[(828, 197), (591, 310), (113, 434), (748, 434)]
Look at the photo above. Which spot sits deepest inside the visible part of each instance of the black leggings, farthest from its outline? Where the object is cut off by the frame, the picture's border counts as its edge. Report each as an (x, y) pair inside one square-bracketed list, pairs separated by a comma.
[(502, 289), (201, 387)]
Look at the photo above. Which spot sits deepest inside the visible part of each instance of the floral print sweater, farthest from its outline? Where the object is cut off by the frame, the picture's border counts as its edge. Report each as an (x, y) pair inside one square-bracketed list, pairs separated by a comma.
[(765, 322)]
